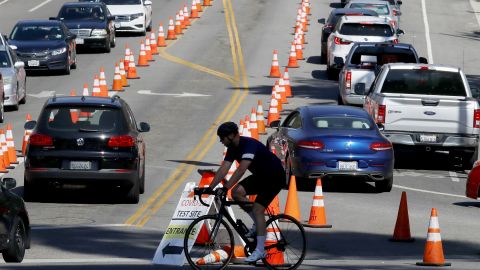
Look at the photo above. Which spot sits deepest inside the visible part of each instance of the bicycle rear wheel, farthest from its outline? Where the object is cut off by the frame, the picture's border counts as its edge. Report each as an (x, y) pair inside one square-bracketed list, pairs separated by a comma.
[(213, 248), (286, 245)]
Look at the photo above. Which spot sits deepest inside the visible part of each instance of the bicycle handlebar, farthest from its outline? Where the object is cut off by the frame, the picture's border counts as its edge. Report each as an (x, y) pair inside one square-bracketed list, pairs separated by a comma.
[(200, 191)]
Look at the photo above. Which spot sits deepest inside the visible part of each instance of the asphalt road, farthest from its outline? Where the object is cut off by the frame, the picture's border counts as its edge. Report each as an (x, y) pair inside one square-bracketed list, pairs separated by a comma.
[(225, 56)]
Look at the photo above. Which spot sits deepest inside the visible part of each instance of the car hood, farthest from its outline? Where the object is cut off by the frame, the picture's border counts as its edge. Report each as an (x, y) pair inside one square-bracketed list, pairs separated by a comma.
[(82, 24), (125, 9), (37, 46)]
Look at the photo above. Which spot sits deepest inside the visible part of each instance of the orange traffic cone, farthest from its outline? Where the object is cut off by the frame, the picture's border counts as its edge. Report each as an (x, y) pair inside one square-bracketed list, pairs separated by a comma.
[(26, 136), (132, 69), (6, 158), (238, 251), (103, 84), (280, 88), (216, 256), (142, 58), (292, 208), (193, 10), (253, 124), (299, 50), (207, 178), (183, 22), (318, 218), (123, 74), (148, 50), (274, 207), (286, 80), (273, 256), (402, 226), (171, 30), (73, 112), (126, 59), (206, 3), (153, 43), (12, 156), (85, 90), (3, 168), (178, 25), (292, 60), (199, 6), (433, 255), (273, 113), (260, 118), (246, 127), (275, 69), (277, 96), (186, 16), (161, 37), (117, 79), (96, 92)]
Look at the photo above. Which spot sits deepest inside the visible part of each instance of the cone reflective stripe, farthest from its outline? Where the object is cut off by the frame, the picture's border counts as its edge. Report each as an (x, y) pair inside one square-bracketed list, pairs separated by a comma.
[(171, 30), (433, 255), (198, 5), (286, 80), (126, 59), (216, 256), (103, 84), (186, 16), (178, 25), (273, 256), (123, 74), (273, 114), (193, 10), (6, 158), (278, 97), (183, 24), (96, 87), (260, 119), (299, 50), (292, 60), (11, 145), (206, 3), (148, 50), (142, 57), (253, 124), (279, 87), (318, 217), (153, 43), (73, 112), (292, 208), (402, 226), (246, 127), (26, 137), (161, 37), (117, 79), (275, 69)]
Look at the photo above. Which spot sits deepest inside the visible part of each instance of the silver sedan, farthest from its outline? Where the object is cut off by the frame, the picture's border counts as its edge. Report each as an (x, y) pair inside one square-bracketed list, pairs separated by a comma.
[(14, 77)]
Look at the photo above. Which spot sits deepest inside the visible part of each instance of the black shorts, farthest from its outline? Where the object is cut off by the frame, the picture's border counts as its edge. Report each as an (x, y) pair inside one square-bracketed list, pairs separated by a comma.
[(266, 188)]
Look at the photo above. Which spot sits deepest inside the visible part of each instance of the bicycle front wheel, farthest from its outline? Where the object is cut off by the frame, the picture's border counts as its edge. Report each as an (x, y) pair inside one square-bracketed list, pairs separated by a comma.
[(208, 243), (286, 245)]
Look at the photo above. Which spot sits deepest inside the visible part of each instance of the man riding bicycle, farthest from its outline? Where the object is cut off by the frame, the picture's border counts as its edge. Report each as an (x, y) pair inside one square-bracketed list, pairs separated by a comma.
[(266, 181)]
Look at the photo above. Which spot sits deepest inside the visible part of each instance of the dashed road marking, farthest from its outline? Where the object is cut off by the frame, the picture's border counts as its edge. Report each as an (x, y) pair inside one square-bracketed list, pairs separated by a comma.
[(454, 177), (430, 192), (3, 2), (40, 5)]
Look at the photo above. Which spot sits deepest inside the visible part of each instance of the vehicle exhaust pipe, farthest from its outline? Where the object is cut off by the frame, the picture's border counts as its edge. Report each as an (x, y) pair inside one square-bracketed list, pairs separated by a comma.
[(428, 149)]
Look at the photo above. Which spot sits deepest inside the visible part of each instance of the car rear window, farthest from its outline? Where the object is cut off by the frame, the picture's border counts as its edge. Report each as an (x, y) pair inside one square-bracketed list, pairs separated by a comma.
[(366, 29), (122, 2), (381, 9), (424, 82), (341, 122), (82, 13), (83, 119), (384, 55)]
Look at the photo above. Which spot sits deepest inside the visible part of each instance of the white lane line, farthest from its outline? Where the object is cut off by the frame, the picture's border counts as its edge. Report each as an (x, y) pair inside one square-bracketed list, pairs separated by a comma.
[(427, 33), (454, 177), (3, 2), (89, 261), (431, 192), (476, 10), (40, 5)]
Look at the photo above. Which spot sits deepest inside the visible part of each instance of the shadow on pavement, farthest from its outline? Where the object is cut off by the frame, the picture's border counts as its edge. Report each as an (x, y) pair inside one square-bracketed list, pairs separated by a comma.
[(475, 204)]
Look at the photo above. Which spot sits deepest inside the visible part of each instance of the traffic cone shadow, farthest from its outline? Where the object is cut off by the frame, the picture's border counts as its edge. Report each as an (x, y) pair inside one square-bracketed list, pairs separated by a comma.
[(401, 232)]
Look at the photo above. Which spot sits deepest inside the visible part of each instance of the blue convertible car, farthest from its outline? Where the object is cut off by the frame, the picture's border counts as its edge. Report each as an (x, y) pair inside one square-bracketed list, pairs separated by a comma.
[(319, 141)]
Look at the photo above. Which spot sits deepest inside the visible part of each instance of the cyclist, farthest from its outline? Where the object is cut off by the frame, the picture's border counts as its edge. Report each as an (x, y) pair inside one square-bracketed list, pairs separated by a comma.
[(266, 180)]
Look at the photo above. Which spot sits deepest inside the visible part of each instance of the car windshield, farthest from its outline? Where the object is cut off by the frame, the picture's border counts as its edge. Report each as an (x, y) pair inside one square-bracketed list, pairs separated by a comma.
[(424, 82), (381, 9), (366, 29), (122, 2), (82, 13), (37, 32), (83, 119), (341, 122), (4, 60), (382, 56)]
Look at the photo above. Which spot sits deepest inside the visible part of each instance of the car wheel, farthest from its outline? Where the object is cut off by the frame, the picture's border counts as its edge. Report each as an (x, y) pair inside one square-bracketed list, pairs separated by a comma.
[(108, 48), (17, 95), (74, 65), (24, 99), (2, 111), (133, 195), (385, 185), (67, 66), (113, 42), (469, 159), (16, 248), (142, 179)]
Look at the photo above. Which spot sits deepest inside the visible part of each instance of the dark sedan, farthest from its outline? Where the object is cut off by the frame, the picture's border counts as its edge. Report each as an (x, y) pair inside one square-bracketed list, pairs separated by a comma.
[(91, 22), (44, 45), (86, 141), (330, 23), (328, 141)]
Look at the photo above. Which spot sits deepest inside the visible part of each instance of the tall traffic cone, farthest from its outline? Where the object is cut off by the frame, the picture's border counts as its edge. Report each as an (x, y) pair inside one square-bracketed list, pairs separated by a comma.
[(280, 88), (260, 118), (274, 207), (402, 226), (206, 3), (3, 168), (274, 256), (286, 80), (148, 50), (85, 90), (26, 136), (275, 69), (12, 156), (246, 127), (96, 92), (433, 255), (253, 124), (292, 60), (207, 178), (171, 30), (103, 83), (161, 37), (277, 96), (240, 128), (273, 113), (199, 6), (153, 43), (126, 59), (292, 208), (299, 50), (194, 11), (73, 112), (318, 218), (178, 25), (142, 57), (215, 256), (186, 15), (6, 158), (123, 74), (117, 80), (132, 69), (183, 22)]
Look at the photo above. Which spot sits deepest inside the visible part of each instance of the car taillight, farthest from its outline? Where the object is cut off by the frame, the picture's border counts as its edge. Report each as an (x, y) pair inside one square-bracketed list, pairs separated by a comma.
[(424, 68), (121, 141), (381, 114), (37, 139), (381, 146), (340, 41), (348, 80), (311, 145), (395, 12), (476, 118), (395, 41)]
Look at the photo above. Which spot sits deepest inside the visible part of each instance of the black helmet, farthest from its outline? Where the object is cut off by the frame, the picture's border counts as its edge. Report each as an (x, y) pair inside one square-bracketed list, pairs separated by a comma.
[(226, 129)]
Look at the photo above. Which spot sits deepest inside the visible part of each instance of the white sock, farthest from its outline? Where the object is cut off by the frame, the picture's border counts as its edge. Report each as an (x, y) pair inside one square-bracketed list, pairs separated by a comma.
[(261, 243)]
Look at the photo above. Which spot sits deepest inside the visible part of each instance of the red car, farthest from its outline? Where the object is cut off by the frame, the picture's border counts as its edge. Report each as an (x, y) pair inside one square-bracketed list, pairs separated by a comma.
[(473, 182)]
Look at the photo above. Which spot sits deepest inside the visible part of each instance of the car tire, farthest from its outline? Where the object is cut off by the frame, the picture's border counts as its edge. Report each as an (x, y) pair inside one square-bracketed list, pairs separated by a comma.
[(133, 194), (74, 65), (288, 173), (385, 185), (340, 100), (30, 191), (330, 73), (149, 27), (24, 99), (469, 159), (113, 43), (16, 247), (2, 111), (68, 66), (108, 48), (15, 107), (142, 179)]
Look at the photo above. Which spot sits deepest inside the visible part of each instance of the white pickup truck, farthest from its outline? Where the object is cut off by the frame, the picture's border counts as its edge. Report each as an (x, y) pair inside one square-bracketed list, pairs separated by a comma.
[(427, 108)]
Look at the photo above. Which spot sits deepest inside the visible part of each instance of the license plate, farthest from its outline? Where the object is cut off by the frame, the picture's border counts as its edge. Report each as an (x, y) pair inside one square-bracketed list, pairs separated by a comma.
[(33, 63), (79, 41), (80, 165), (428, 138), (118, 25), (347, 165)]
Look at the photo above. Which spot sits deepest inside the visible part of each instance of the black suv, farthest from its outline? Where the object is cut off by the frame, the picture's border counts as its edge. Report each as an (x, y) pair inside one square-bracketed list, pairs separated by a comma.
[(91, 22), (86, 141), (14, 223)]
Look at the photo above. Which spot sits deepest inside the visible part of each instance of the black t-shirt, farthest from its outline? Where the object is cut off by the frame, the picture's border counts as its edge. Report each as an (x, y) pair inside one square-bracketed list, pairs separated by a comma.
[(264, 162)]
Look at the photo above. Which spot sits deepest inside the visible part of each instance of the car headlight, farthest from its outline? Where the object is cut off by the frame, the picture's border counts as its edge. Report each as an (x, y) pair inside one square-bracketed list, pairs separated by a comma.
[(136, 16), (7, 80), (59, 51), (99, 32)]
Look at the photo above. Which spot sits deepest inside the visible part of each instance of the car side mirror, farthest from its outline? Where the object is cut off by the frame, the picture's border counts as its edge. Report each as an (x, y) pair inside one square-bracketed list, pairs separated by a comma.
[(13, 47), (144, 127), (360, 89), (275, 124), (147, 3), (423, 60), (399, 2), (19, 64), (9, 183), (381, 127), (30, 125), (338, 61), (400, 32), (322, 20)]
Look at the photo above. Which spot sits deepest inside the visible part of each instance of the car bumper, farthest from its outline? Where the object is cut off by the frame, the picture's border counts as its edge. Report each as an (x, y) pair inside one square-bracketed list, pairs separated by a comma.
[(137, 25), (50, 63), (352, 98), (93, 42), (444, 141)]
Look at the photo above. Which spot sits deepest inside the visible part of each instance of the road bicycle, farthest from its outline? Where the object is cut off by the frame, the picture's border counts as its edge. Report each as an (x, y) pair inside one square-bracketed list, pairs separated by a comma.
[(285, 247)]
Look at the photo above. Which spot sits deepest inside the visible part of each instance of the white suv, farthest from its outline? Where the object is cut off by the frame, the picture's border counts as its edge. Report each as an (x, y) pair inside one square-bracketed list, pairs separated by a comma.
[(350, 29), (131, 15)]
